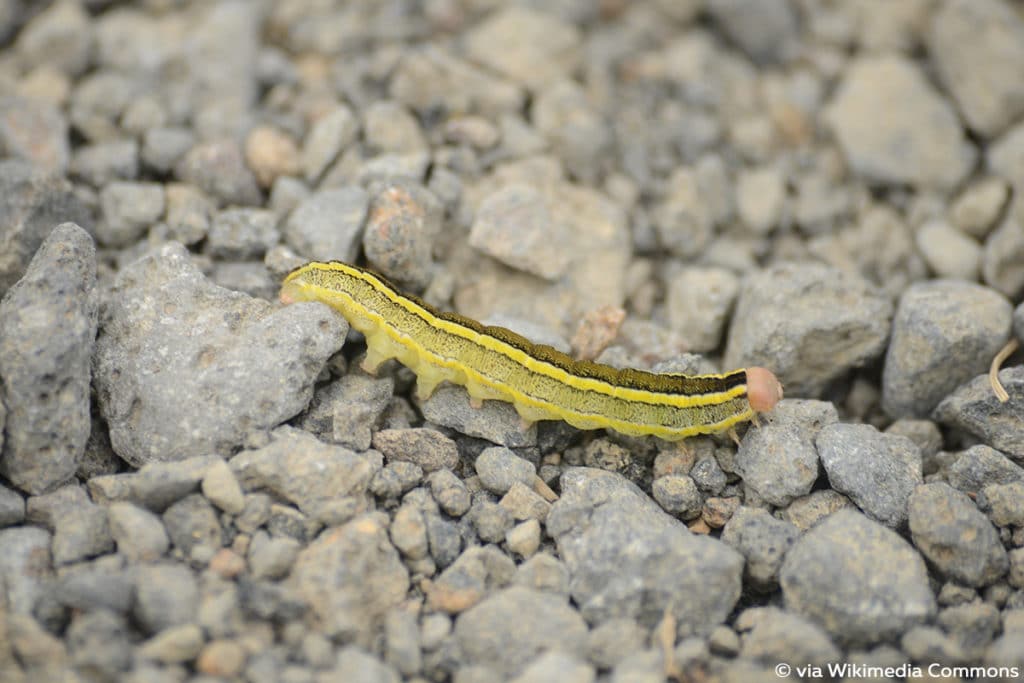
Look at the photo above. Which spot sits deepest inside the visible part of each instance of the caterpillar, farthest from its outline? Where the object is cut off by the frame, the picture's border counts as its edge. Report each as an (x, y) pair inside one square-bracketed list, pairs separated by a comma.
[(541, 382)]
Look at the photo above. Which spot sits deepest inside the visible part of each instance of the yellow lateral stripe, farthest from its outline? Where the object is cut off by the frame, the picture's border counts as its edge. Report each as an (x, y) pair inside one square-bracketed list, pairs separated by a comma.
[(541, 367)]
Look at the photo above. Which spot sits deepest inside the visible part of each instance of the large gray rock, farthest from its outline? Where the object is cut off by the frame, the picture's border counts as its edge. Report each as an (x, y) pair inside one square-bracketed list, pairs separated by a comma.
[(980, 72), (955, 535), (47, 332), (510, 629), (628, 558), (919, 140), (31, 203), (184, 367), (929, 329), (975, 408), (877, 471), (859, 580), (350, 577), (809, 323)]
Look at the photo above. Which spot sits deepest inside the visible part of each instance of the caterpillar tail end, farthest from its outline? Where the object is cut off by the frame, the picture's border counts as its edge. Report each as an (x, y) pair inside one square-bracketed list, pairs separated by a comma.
[(763, 389)]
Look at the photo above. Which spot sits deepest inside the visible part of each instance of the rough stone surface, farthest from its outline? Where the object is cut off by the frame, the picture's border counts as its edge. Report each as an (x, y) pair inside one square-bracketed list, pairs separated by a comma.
[(928, 329), (327, 482), (627, 558), (508, 630), (763, 541), (779, 460), (224, 365), (877, 471), (47, 330), (811, 324), (955, 536), (919, 141), (988, 92), (857, 579), (974, 408), (350, 576)]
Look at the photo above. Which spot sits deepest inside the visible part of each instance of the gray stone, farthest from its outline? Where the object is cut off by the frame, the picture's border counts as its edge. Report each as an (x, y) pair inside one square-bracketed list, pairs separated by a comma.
[(173, 645), (809, 323), (163, 148), (189, 213), (499, 468), (779, 460), (103, 584), (556, 667), (60, 37), (222, 489), (218, 168), (763, 541), (877, 471), (579, 132), (1003, 503), (976, 209), (450, 492), (347, 411), (981, 466), (354, 665), (948, 252), (988, 91), (271, 557), (47, 331), (328, 224), (955, 536), (1003, 254), (242, 233), (350, 577), (760, 198), (106, 162), (919, 141), (327, 482), (36, 131), (510, 629), (402, 225), (475, 574), (515, 226), (613, 640), (25, 567), (154, 486), (543, 572), (428, 448), (778, 636), (443, 538), (551, 53), (490, 520), (972, 626), (598, 515), (928, 329), (79, 527), (12, 505), (806, 511), (167, 595), (496, 421), (100, 642), (140, 535), (388, 127), (328, 137), (128, 210), (766, 31), (859, 580), (683, 220), (395, 479), (698, 302), (525, 503), (677, 494), (402, 638), (201, 378), (974, 408), (432, 78), (191, 524)]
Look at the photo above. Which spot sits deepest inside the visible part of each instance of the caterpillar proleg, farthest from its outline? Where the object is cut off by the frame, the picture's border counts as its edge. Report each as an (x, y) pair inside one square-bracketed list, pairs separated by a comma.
[(541, 382)]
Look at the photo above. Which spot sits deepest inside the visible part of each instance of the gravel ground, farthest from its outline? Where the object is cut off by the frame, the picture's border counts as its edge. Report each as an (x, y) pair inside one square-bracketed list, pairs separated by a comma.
[(199, 484)]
